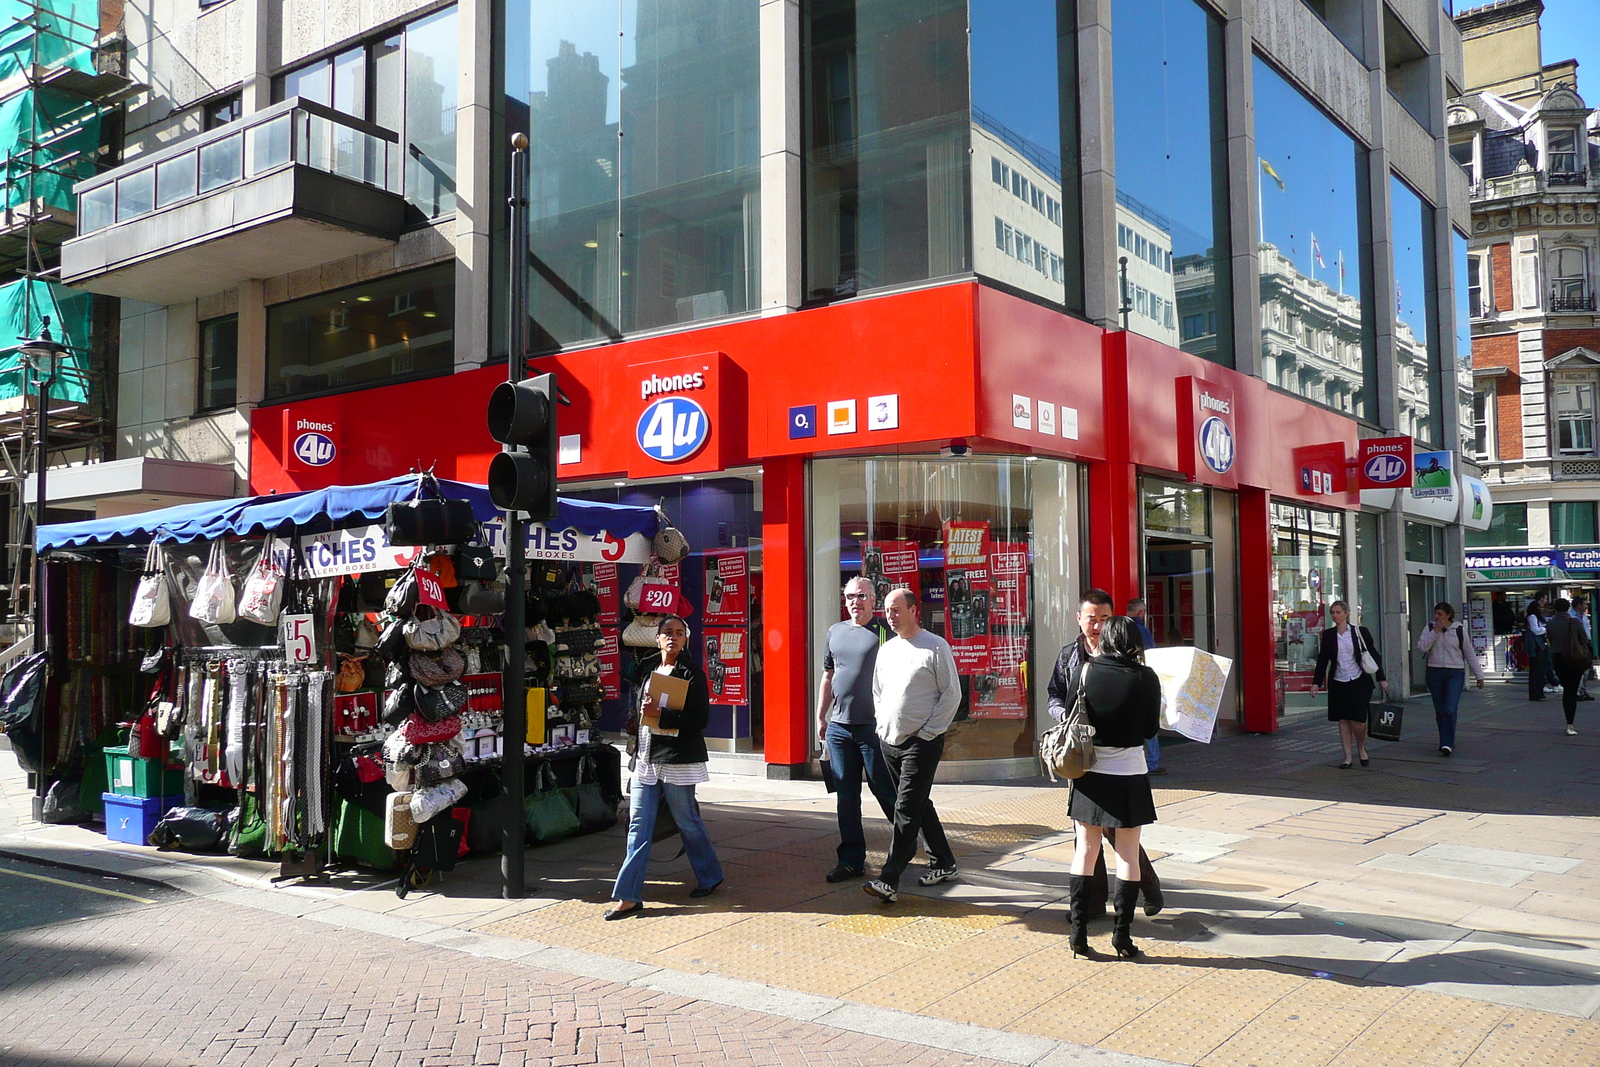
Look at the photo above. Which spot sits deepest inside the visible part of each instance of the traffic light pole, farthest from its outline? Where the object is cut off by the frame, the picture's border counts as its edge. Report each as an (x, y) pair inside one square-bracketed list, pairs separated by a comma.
[(515, 703)]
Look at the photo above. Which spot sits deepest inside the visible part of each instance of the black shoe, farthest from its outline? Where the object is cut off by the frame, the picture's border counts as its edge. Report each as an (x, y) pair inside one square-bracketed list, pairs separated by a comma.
[(704, 890), (1157, 770), (1078, 910), (844, 873), (1445, 750), (1365, 761), (620, 912), (1126, 896), (1345, 766)]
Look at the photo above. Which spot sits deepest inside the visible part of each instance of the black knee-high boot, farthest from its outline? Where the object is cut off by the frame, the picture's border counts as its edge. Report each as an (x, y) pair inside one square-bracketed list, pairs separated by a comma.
[(1078, 914), (1125, 898)]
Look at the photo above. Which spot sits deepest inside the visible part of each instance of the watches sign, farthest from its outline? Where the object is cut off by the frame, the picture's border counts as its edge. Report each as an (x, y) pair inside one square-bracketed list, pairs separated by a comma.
[(1385, 463)]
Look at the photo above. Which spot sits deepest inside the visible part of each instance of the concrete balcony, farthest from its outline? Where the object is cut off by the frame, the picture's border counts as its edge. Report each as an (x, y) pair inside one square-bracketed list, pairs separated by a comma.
[(290, 187)]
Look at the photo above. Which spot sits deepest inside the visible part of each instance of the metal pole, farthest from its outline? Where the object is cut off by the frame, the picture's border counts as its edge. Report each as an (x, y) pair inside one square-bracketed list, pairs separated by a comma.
[(515, 714), (42, 379)]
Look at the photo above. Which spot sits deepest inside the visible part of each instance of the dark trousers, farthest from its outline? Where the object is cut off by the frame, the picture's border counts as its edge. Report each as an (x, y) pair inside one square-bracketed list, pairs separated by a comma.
[(853, 754), (1445, 685), (1536, 668), (1571, 677), (912, 766)]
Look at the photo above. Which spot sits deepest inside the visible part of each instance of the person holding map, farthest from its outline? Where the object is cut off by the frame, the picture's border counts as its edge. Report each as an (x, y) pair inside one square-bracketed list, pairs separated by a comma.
[(1342, 670), (1123, 700)]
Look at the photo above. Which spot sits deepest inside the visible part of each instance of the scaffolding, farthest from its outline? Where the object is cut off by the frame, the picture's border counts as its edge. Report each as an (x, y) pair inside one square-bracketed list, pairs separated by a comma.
[(62, 80)]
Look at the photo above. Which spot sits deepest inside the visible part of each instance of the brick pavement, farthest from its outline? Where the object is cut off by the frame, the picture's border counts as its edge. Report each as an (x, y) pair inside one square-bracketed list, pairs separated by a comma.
[(204, 982)]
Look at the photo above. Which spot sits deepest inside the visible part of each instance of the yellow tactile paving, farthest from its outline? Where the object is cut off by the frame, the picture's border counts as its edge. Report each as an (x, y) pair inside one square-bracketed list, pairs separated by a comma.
[(1263, 1046)]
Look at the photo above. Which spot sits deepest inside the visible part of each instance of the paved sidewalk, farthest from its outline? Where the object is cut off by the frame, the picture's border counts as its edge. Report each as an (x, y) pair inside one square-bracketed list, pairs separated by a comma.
[(1421, 911)]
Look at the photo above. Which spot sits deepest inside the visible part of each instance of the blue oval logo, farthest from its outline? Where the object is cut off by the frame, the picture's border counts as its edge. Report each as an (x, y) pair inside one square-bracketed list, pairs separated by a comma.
[(1386, 469), (672, 429), (1216, 445), (315, 449)]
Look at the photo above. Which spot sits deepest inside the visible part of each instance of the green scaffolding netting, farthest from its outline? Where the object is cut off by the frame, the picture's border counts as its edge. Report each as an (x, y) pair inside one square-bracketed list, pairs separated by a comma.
[(38, 128), (23, 305), (52, 33)]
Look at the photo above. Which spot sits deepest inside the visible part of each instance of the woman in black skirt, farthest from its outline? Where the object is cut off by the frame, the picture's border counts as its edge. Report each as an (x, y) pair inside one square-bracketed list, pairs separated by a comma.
[(1124, 705), (1349, 686)]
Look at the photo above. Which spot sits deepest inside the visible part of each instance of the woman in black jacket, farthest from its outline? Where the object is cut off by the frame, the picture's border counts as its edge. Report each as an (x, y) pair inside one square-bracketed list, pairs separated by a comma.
[(1123, 698), (1348, 684), (668, 768)]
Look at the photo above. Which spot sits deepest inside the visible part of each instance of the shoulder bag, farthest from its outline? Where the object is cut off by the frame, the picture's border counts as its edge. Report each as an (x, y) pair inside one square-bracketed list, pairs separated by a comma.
[(547, 813), (213, 595), (1369, 665), (262, 596), (152, 602), (1067, 748)]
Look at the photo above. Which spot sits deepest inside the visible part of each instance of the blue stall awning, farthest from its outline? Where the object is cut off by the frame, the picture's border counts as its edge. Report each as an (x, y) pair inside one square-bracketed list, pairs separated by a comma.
[(317, 510)]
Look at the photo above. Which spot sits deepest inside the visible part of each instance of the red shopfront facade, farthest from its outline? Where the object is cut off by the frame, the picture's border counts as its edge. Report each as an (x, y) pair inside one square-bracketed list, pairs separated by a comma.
[(895, 429)]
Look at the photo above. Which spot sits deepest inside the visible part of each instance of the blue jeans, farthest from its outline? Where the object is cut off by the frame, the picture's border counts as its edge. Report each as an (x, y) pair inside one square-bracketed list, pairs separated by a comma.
[(642, 805), (1445, 684), (853, 752), (1152, 752)]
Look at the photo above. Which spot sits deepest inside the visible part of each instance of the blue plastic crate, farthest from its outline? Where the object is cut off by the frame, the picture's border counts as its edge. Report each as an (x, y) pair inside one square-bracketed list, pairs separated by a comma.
[(130, 819)]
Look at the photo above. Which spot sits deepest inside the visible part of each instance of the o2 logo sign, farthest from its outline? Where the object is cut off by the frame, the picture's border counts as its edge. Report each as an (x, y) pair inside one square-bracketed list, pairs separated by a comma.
[(1216, 445), (1386, 470), (315, 449), (672, 429)]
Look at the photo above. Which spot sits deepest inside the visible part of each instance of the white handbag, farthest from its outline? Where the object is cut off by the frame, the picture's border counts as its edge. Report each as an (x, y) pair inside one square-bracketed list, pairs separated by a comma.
[(261, 599), (213, 594), (1369, 665), (152, 601)]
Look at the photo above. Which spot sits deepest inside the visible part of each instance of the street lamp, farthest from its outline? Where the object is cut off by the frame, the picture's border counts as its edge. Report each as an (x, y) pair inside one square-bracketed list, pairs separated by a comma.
[(42, 355)]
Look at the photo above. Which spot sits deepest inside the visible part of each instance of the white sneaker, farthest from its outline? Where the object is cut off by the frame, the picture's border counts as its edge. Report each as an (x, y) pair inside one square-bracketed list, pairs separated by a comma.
[(1571, 732), (935, 875), (882, 890)]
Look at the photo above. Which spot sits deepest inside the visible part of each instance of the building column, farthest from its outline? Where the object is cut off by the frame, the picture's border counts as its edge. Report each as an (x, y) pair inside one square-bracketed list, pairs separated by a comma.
[(785, 688), (1114, 507), (782, 268), (1245, 174), (1096, 114), (261, 43), (476, 159), (251, 372), (1258, 650)]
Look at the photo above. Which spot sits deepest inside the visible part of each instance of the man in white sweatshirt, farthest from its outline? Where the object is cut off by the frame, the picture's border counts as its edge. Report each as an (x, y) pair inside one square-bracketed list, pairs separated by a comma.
[(915, 693)]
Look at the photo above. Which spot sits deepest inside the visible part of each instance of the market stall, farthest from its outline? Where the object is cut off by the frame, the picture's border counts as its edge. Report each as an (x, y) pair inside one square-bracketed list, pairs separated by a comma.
[(291, 664)]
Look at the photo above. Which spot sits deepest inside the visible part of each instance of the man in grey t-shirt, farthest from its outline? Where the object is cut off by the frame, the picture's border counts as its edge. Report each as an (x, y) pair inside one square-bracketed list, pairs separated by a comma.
[(846, 723)]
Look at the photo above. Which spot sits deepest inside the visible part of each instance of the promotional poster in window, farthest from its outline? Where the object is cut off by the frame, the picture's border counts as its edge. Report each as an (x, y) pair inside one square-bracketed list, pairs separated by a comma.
[(986, 617)]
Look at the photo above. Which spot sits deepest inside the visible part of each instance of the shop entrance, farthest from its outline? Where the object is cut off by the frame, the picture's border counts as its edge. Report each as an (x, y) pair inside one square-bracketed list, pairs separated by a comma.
[(1425, 587), (1308, 576), (1179, 563)]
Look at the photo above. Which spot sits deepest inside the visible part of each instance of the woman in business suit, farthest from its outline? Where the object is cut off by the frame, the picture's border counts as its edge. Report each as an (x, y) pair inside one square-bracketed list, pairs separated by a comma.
[(1349, 687)]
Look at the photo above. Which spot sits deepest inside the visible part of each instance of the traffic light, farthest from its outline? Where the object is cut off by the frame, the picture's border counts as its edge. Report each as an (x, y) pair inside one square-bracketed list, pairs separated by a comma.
[(523, 416)]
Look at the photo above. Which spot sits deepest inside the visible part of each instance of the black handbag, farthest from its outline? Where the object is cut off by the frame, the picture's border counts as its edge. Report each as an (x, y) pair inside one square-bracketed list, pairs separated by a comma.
[(392, 641), (588, 799), (440, 702), (400, 702), (438, 843), (430, 522), (403, 595), (475, 562)]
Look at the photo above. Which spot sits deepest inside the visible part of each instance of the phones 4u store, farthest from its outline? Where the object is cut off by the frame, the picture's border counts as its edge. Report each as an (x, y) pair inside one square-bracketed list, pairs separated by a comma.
[(994, 456)]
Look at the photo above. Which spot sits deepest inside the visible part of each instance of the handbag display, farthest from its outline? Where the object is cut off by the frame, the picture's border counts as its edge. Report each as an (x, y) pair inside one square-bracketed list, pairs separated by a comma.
[(641, 631), (398, 703), (261, 599), (213, 594), (401, 600), (589, 801), (432, 634), (546, 812), (474, 562), (352, 673), (669, 544), (392, 642), (419, 731), (442, 763), (1067, 748), (440, 702), (436, 668), (478, 598), (399, 825), (152, 600), (431, 800)]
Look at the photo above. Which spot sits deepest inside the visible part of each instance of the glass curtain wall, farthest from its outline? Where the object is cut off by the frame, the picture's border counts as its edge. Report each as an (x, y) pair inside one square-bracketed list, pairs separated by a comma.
[(1313, 224), (991, 545), (1178, 563), (887, 138), (430, 102), (643, 171), (1025, 202), (1416, 343), (1308, 576), (1172, 173)]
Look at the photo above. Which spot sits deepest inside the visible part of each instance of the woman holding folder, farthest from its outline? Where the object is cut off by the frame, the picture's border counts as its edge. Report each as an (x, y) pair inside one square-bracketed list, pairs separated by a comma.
[(675, 705)]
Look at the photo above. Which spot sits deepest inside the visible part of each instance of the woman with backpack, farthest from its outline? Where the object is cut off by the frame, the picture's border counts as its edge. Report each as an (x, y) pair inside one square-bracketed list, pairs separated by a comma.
[(1342, 659), (1569, 647), (1444, 649)]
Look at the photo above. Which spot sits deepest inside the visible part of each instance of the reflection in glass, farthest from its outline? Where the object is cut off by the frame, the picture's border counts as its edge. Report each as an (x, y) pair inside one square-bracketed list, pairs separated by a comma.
[(221, 162), (1171, 152), (96, 207), (1316, 329), (402, 326), (681, 93), (1416, 349), (136, 194), (1178, 563), (219, 363), (1021, 216), (269, 145), (887, 137), (990, 545), (1174, 507), (1462, 349), (350, 82), (175, 180), (1508, 528), (314, 82), (1308, 576), (430, 127)]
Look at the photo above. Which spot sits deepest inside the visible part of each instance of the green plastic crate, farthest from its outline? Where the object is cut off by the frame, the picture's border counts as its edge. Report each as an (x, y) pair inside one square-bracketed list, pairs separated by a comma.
[(129, 776)]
